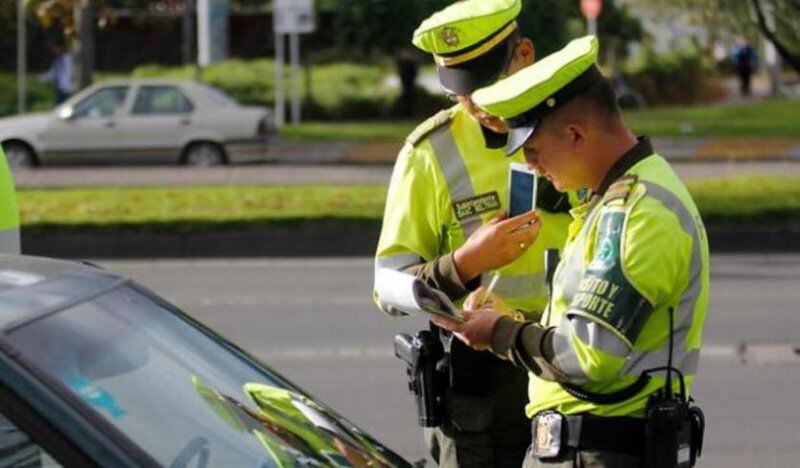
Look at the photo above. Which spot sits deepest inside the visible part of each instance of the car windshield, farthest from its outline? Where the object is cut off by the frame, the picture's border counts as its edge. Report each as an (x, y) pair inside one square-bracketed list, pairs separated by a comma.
[(179, 392)]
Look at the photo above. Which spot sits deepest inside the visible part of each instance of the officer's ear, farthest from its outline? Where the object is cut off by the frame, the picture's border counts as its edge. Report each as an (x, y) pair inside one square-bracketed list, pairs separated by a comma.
[(524, 53), (576, 134)]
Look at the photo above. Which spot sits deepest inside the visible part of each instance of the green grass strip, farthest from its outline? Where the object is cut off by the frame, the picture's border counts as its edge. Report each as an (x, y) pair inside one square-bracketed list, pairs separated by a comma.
[(196, 207), (749, 199), (775, 118)]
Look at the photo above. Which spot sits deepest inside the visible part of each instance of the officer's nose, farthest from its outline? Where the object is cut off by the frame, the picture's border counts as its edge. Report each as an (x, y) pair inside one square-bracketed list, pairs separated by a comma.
[(531, 158)]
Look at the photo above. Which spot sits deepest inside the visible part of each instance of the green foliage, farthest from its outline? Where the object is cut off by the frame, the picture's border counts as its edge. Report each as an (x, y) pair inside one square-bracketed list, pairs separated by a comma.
[(680, 77), (338, 90), (40, 96)]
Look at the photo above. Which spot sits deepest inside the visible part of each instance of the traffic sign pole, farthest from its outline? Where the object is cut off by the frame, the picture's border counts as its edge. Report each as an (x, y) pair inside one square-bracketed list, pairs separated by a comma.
[(591, 10), (280, 97), (22, 47), (294, 53), (292, 18)]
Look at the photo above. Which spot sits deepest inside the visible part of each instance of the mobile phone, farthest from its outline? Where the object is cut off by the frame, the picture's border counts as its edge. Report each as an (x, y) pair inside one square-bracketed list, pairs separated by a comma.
[(522, 182)]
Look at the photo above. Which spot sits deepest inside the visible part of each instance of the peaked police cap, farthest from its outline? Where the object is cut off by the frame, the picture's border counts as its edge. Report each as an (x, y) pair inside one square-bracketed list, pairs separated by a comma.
[(470, 42), (523, 99)]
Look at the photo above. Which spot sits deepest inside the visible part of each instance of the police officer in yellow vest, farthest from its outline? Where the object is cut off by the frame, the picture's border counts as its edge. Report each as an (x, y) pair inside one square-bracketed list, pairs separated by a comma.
[(9, 214), (629, 297), (443, 223)]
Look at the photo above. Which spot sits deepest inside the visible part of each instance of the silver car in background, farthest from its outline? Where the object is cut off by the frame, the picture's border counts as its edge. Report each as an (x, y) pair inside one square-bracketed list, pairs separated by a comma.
[(140, 121)]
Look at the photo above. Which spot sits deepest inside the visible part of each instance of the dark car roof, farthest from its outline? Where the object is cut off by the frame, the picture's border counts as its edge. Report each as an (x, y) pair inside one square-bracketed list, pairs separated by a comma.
[(33, 285)]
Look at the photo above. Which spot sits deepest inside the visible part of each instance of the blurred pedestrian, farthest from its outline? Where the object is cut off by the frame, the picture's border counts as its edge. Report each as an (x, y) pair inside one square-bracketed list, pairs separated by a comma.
[(744, 59), (407, 69), (60, 72)]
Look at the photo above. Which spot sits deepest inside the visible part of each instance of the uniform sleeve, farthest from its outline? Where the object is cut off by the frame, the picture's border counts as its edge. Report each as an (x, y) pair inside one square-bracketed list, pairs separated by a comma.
[(9, 211), (412, 231), (633, 271)]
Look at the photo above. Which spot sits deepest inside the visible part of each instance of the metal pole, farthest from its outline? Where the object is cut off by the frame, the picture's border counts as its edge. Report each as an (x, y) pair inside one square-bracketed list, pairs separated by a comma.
[(188, 32), (772, 58), (280, 101), (592, 26), (294, 41), (22, 47)]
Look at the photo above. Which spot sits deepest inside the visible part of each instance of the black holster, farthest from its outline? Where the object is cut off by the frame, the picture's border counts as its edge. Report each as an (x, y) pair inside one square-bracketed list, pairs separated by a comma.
[(423, 354)]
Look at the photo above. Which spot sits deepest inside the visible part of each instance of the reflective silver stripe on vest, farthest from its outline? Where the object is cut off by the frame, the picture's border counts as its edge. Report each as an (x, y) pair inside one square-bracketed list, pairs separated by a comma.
[(397, 262), (564, 356), (684, 317), (570, 271), (455, 173), (521, 286), (9, 241), (569, 277)]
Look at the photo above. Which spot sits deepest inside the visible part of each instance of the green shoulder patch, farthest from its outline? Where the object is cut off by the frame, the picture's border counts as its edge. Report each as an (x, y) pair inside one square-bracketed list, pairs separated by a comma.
[(429, 126), (621, 189), (605, 294)]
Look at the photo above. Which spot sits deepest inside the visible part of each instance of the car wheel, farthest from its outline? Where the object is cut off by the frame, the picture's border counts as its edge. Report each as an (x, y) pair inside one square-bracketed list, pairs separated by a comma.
[(19, 154), (204, 155)]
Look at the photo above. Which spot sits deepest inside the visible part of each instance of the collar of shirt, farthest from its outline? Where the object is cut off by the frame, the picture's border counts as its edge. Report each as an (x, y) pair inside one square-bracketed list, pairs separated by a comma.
[(640, 151), (493, 139)]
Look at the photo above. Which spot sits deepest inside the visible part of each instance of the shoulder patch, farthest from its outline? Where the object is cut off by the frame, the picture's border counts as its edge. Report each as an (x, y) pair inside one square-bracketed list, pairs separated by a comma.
[(605, 295), (429, 126), (621, 189)]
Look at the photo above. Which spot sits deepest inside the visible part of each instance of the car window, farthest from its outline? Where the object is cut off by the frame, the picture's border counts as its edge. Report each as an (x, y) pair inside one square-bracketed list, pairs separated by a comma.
[(18, 451), (217, 96), (159, 100), (103, 103), (182, 394)]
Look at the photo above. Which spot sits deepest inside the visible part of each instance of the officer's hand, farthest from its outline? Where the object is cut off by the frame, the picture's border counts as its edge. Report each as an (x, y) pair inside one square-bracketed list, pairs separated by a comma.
[(478, 299), (496, 244), (476, 330)]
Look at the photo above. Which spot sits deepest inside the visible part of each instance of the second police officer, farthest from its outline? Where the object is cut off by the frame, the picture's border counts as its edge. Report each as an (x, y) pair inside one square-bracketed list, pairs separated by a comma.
[(443, 223)]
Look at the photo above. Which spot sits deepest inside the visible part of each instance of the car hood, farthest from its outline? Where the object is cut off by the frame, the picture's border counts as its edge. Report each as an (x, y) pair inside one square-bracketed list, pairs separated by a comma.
[(24, 123), (292, 426)]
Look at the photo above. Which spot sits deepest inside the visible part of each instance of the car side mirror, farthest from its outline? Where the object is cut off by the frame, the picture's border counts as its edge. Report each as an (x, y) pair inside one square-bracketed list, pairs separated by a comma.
[(66, 113)]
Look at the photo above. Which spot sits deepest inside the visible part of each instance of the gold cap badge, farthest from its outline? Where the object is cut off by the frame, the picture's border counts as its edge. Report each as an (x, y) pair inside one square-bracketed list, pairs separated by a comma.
[(450, 36)]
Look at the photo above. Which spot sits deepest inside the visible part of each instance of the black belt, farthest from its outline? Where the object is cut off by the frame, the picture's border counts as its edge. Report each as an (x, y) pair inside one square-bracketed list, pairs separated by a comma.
[(588, 432)]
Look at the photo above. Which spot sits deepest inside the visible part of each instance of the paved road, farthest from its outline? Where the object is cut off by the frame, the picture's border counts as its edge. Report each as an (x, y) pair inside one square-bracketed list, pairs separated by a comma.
[(307, 174), (314, 322)]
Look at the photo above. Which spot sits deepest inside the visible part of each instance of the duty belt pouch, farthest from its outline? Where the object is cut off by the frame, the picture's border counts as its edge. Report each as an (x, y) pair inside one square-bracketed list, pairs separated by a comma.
[(549, 430), (470, 370)]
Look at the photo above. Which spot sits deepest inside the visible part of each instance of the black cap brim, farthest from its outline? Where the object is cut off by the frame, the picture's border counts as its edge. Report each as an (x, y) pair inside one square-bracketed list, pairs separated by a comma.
[(517, 137), (465, 78), (463, 81)]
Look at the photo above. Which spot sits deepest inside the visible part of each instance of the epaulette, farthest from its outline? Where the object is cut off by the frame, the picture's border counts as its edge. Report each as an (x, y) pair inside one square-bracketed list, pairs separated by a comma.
[(429, 126), (621, 189)]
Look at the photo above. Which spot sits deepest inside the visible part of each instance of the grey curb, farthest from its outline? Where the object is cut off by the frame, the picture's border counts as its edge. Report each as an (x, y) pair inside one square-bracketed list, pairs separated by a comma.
[(326, 238)]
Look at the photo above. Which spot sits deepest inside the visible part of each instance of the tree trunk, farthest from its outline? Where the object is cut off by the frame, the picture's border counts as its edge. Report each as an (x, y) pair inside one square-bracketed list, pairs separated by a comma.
[(790, 58), (84, 45)]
